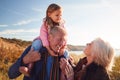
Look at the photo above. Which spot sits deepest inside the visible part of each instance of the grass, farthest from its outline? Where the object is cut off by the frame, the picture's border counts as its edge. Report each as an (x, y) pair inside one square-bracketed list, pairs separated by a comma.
[(10, 52)]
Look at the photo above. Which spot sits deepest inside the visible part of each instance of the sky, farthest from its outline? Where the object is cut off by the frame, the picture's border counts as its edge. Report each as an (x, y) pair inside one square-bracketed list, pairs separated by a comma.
[(85, 20)]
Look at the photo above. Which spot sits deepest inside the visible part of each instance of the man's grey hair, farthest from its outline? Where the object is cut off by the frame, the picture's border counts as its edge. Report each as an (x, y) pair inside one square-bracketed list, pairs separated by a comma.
[(58, 29)]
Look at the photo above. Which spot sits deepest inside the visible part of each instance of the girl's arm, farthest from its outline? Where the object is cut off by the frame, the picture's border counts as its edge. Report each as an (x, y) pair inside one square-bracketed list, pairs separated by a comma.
[(44, 39), (44, 35)]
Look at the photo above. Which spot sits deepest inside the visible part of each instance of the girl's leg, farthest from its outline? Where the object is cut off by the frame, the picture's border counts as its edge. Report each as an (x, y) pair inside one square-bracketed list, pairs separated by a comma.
[(36, 44), (66, 54)]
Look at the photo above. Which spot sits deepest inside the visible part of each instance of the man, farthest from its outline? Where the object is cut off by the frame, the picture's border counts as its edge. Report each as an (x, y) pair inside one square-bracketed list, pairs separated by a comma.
[(46, 67)]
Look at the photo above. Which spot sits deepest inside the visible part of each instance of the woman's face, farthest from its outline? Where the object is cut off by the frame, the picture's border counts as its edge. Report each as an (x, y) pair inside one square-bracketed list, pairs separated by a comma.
[(87, 50)]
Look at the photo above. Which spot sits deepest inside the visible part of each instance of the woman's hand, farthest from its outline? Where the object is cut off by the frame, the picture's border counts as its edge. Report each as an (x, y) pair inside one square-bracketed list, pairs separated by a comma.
[(32, 56), (66, 69)]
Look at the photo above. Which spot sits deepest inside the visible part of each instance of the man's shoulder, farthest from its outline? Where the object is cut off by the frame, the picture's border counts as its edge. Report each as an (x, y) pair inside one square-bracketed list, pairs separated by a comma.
[(43, 49)]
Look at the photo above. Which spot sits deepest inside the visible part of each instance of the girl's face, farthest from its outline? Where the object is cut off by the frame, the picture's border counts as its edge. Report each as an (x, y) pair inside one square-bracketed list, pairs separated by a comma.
[(56, 15)]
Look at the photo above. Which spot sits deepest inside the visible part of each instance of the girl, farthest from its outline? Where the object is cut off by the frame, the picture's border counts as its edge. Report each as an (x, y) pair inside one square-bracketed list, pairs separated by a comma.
[(52, 19)]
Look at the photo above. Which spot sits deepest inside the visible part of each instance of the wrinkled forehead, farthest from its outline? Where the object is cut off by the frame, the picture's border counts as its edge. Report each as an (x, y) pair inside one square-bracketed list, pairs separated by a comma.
[(59, 33), (61, 36)]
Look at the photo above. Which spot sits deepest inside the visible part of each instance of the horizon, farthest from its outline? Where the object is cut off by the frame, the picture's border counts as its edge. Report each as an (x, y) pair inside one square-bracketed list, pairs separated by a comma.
[(85, 20), (77, 52), (67, 44)]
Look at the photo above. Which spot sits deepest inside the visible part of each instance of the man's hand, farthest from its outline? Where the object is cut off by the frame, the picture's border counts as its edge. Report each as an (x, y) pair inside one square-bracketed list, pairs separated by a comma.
[(24, 70), (32, 56), (66, 69)]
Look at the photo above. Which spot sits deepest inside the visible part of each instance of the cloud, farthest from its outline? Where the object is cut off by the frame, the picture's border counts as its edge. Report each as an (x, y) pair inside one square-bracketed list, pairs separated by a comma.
[(99, 4), (3, 25), (37, 10), (19, 31), (106, 3), (114, 1), (15, 12), (24, 22)]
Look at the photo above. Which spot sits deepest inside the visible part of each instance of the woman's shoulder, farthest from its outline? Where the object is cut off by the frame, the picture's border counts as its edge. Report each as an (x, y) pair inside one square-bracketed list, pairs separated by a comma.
[(80, 63), (97, 71), (95, 67)]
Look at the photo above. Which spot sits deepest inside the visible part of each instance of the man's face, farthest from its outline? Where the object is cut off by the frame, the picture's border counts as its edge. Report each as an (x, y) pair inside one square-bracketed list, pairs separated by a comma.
[(57, 41)]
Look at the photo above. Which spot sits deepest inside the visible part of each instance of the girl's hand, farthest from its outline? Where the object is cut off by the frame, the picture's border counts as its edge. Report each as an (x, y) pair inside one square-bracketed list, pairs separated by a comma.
[(52, 53)]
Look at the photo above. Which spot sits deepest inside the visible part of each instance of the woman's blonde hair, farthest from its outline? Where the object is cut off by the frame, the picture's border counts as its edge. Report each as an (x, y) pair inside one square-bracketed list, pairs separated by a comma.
[(103, 53)]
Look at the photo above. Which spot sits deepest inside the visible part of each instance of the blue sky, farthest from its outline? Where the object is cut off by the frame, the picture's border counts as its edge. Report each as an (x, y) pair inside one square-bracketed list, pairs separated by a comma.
[(85, 19)]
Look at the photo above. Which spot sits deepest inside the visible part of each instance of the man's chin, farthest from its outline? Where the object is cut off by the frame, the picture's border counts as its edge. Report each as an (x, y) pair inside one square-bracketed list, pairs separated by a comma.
[(56, 51)]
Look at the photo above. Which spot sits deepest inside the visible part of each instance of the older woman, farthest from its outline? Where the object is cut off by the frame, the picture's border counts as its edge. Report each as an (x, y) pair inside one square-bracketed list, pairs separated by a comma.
[(96, 64)]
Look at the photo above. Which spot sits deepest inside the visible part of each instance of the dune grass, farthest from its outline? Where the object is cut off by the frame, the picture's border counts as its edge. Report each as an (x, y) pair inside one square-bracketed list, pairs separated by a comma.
[(10, 52)]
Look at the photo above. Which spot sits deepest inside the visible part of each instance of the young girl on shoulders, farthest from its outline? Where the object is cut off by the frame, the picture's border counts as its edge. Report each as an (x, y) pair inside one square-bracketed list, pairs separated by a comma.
[(53, 18)]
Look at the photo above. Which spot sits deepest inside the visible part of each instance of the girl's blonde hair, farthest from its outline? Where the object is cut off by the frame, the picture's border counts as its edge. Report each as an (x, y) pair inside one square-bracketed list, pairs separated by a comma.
[(103, 53), (51, 8)]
